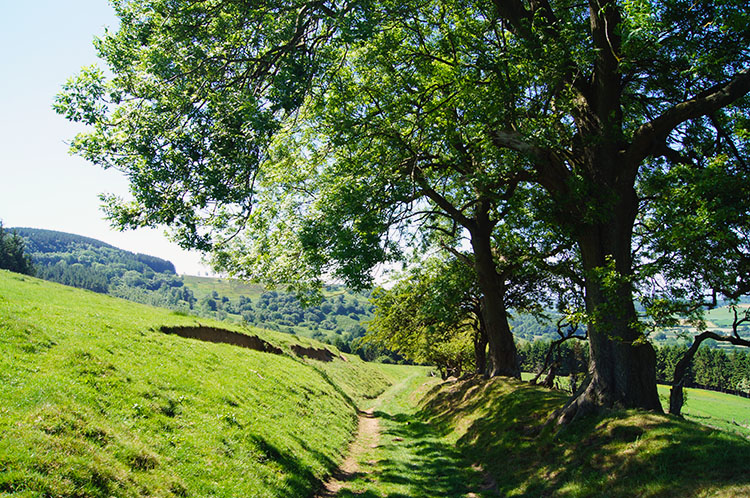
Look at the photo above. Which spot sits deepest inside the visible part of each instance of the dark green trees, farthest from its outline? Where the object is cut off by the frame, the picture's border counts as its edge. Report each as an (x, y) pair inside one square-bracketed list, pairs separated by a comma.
[(12, 253)]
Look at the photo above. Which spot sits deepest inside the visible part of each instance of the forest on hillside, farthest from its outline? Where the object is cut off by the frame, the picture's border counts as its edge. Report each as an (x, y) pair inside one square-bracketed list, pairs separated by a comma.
[(339, 318)]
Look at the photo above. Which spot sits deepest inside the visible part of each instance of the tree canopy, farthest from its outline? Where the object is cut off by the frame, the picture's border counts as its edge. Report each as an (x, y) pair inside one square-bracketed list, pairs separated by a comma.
[(297, 138), (432, 315)]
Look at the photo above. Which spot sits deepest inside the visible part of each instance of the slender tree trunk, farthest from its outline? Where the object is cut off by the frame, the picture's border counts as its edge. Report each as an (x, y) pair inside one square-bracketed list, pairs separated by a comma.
[(676, 395), (503, 357), (623, 362)]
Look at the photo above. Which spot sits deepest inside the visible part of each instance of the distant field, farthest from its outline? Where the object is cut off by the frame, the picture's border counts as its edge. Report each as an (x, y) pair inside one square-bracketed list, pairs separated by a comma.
[(232, 288), (715, 409), (202, 286)]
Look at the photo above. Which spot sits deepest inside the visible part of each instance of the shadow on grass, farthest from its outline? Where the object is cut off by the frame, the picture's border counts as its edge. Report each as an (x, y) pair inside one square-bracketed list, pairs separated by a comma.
[(298, 479), (413, 458), (620, 453)]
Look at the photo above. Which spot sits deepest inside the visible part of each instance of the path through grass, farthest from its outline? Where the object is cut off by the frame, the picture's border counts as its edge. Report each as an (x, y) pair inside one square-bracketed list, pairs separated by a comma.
[(409, 459)]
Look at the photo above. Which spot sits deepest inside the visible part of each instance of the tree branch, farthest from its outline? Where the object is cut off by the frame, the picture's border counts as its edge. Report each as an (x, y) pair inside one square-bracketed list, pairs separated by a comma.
[(649, 137), (441, 201)]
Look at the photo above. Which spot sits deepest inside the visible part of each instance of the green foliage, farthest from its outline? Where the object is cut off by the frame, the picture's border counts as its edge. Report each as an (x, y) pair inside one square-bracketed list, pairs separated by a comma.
[(429, 315), (300, 140), (698, 232), (91, 264), (13, 254), (711, 368), (97, 402)]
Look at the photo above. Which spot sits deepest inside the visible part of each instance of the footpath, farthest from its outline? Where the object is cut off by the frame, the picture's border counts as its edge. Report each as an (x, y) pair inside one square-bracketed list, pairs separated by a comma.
[(395, 454)]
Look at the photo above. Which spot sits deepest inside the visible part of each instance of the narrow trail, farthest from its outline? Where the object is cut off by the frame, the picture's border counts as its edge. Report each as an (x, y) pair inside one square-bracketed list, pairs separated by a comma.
[(395, 453), (368, 437)]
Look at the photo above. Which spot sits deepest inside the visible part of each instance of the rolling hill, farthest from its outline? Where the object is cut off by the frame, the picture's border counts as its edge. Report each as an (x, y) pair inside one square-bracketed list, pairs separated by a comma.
[(99, 401)]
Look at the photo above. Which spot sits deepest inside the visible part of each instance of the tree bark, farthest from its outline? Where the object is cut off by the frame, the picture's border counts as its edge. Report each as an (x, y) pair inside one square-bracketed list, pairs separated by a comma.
[(480, 344), (623, 363), (502, 356)]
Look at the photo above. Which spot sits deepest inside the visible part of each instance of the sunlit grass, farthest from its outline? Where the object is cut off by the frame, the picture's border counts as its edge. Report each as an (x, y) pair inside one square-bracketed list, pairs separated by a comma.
[(411, 459), (97, 402)]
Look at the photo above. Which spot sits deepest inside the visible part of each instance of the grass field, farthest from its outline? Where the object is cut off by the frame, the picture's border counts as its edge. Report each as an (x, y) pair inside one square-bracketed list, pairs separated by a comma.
[(232, 288), (202, 286), (97, 402), (714, 409)]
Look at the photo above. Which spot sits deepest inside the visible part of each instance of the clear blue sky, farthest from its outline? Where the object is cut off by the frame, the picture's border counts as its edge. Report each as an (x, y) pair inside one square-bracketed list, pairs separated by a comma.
[(42, 44)]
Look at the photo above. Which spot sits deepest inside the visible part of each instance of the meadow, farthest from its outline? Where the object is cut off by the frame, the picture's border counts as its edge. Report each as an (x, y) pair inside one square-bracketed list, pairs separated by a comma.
[(97, 401)]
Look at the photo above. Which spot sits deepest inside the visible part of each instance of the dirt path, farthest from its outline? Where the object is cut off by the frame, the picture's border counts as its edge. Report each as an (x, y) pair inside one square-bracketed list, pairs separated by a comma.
[(368, 434), (367, 438), (395, 453)]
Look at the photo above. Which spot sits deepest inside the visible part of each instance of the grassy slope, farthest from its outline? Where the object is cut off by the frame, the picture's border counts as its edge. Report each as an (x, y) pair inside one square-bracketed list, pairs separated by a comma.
[(719, 410), (497, 423), (97, 402)]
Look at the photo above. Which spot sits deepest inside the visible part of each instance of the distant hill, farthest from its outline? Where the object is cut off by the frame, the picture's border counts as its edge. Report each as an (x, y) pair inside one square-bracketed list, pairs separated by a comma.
[(45, 244), (91, 264), (339, 319)]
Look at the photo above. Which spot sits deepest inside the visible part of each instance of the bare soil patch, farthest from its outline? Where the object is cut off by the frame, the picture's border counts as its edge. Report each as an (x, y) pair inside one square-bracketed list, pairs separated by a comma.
[(368, 435), (223, 336)]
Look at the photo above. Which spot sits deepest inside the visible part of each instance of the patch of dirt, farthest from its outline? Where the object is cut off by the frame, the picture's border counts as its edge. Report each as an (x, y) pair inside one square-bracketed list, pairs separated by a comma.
[(489, 484), (368, 435), (223, 336), (313, 353)]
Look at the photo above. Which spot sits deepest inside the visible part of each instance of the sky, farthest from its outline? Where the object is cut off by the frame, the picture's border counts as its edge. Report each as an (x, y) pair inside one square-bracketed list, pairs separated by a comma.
[(42, 44)]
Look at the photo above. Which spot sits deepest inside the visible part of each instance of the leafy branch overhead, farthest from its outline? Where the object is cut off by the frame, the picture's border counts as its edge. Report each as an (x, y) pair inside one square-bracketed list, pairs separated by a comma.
[(308, 140)]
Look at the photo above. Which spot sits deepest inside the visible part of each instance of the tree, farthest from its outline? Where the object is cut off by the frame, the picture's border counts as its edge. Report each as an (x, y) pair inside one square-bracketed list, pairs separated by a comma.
[(12, 253), (568, 100), (609, 110), (697, 236), (432, 315)]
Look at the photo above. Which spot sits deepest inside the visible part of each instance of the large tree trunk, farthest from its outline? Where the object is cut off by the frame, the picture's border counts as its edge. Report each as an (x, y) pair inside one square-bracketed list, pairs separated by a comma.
[(623, 363), (503, 357)]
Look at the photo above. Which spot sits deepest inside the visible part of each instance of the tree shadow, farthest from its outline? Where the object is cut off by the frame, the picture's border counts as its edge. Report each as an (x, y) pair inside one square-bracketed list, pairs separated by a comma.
[(618, 453), (298, 478), (433, 468)]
